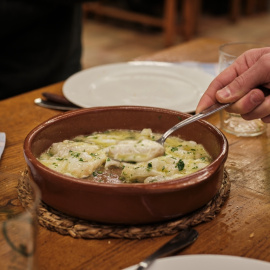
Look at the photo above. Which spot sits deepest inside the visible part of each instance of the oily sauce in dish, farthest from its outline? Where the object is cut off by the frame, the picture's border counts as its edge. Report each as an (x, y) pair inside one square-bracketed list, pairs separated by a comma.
[(89, 157)]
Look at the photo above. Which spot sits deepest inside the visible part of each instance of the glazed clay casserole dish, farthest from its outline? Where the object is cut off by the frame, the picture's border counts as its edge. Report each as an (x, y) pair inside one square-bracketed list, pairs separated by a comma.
[(125, 203)]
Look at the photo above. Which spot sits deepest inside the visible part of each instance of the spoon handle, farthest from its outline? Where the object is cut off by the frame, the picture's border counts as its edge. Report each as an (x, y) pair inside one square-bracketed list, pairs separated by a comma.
[(180, 241), (212, 109)]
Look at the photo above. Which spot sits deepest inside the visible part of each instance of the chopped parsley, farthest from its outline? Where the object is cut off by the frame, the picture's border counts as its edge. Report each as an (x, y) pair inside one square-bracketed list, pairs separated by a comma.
[(180, 165), (74, 154), (153, 181), (149, 166)]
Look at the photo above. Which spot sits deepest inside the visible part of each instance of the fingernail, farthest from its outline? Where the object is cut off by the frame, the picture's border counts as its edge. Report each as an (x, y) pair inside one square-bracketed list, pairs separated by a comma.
[(255, 98), (224, 93)]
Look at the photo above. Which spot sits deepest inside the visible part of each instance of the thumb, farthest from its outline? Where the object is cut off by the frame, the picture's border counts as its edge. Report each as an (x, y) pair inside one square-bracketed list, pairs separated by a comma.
[(252, 78), (233, 91)]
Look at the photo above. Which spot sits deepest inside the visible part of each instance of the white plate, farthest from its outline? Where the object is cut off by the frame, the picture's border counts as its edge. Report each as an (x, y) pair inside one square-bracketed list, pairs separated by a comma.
[(207, 262), (156, 84)]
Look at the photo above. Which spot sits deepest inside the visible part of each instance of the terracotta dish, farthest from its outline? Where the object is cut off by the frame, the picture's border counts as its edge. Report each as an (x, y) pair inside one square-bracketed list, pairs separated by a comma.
[(125, 203)]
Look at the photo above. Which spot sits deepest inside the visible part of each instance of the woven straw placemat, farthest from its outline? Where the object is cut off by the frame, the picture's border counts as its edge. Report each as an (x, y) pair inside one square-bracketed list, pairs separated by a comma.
[(78, 228)]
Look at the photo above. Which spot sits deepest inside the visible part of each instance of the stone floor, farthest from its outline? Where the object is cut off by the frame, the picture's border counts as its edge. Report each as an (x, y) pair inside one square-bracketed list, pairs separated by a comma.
[(109, 41)]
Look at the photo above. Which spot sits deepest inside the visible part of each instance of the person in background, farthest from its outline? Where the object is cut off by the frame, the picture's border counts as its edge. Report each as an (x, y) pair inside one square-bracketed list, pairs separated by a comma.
[(40, 43), (239, 84)]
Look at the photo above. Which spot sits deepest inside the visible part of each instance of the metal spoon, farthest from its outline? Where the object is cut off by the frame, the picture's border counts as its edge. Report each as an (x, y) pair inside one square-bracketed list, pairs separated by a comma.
[(212, 109), (180, 241)]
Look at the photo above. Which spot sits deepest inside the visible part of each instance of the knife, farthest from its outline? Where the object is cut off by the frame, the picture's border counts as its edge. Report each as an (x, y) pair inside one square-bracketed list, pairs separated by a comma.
[(54, 105), (2, 142), (58, 99), (180, 241), (56, 102)]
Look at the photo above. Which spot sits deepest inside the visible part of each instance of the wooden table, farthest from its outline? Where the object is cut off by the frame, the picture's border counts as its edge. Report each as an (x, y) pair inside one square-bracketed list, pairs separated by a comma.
[(242, 228)]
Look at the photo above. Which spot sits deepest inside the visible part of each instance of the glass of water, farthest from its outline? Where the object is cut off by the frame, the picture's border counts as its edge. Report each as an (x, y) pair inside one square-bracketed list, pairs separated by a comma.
[(231, 122)]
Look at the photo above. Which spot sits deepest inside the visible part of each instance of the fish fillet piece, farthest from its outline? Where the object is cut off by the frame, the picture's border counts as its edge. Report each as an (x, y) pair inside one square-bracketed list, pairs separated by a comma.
[(164, 166), (135, 151), (77, 159)]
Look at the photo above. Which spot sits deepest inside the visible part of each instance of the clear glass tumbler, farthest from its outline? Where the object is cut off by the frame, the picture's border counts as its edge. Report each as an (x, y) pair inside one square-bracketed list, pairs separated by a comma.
[(18, 231), (231, 122)]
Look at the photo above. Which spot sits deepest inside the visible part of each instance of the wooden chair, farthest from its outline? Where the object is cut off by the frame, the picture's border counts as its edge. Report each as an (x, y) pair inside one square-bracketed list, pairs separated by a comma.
[(190, 11), (247, 7), (189, 14)]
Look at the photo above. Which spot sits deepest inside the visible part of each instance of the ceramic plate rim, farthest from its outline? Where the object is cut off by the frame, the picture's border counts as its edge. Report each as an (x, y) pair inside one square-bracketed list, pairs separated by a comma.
[(78, 79), (218, 260)]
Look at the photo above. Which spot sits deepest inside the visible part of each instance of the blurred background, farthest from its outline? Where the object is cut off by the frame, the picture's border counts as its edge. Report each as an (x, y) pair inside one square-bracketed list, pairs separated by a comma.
[(121, 30)]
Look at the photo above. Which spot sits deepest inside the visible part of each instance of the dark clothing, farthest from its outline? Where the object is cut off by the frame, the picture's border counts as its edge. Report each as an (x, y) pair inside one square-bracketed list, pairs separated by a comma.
[(40, 43)]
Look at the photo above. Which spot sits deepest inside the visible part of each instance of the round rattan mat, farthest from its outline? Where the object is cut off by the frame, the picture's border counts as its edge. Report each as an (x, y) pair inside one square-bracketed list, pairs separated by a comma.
[(77, 228)]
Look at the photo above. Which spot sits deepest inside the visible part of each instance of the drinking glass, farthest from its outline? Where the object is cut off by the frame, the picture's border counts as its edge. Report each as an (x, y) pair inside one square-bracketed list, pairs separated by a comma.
[(18, 229), (231, 122)]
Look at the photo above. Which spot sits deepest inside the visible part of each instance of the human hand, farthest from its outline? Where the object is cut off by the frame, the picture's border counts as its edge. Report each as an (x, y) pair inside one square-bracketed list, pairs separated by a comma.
[(239, 84)]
